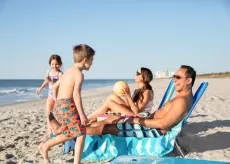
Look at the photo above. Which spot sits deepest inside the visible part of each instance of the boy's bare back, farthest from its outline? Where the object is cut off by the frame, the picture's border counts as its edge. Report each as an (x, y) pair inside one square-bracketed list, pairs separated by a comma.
[(70, 82)]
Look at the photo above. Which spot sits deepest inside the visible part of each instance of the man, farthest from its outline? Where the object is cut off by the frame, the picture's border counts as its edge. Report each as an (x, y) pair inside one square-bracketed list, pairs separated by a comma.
[(163, 119)]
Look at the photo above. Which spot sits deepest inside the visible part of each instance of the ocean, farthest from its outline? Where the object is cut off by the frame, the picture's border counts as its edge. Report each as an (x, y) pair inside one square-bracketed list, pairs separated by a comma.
[(13, 91)]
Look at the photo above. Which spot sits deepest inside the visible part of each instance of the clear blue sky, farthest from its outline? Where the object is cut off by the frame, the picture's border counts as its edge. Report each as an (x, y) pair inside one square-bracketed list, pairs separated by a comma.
[(126, 34)]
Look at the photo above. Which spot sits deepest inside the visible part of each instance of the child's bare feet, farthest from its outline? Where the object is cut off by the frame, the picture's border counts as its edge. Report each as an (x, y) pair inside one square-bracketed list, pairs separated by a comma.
[(44, 151)]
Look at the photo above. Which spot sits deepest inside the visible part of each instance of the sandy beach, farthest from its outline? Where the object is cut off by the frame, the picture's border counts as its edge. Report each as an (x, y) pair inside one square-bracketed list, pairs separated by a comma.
[(206, 135)]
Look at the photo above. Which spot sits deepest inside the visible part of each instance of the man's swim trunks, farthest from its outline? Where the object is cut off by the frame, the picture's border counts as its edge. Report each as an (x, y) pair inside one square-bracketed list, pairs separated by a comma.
[(65, 112)]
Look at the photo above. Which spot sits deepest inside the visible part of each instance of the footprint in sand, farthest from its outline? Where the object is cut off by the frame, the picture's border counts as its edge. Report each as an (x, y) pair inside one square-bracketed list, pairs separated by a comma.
[(26, 144), (10, 146), (222, 99), (11, 162), (3, 120), (18, 138), (214, 98), (2, 148), (8, 156)]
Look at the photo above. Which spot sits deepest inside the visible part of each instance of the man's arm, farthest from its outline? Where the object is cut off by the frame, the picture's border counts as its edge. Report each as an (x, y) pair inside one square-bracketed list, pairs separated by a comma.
[(175, 113)]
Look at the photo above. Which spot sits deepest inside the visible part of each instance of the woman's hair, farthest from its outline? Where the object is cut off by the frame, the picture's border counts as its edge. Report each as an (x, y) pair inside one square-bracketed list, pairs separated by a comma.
[(147, 78), (55, 57)]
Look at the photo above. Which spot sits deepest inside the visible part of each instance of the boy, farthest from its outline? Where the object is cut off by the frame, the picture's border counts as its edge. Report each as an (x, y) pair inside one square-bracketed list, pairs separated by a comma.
[(68, 109)]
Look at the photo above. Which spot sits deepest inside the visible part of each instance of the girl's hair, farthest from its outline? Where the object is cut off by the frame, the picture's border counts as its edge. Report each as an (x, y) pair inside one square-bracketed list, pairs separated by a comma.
[(147, 78), (55, 57)]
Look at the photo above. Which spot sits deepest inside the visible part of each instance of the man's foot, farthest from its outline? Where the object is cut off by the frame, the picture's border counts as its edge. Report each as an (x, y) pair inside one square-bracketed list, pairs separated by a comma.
[(44, 151)]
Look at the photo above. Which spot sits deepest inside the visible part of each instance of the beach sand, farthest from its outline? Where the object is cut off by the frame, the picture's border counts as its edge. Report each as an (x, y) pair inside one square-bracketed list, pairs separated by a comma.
[(206, 135)]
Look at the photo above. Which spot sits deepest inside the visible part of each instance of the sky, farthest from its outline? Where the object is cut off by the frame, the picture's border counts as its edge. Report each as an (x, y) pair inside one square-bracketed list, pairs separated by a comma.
[(126, 35)]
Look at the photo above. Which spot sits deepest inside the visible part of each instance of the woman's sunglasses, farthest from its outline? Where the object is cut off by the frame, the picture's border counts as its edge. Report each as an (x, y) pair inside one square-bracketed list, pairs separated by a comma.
[(138, 73)]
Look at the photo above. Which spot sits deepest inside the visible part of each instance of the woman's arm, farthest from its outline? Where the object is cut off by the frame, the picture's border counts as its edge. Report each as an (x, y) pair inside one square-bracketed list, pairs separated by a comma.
[(140, 105), (126, 101), (129, 100), (147, 97)]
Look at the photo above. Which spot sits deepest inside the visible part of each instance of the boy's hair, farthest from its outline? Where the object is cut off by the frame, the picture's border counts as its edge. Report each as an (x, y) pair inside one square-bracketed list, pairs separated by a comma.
[(82, 51), (190, 73), (55, 57)]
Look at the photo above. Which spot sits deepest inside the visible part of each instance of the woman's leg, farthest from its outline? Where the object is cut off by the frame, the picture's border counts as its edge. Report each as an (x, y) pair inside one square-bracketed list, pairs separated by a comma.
[(115, 107), (110, 120), (106, 126), (104, 108), (117, 99), (55, 126)]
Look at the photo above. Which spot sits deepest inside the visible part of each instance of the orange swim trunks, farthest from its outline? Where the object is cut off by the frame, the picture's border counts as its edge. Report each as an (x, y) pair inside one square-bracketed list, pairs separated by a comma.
[(65, 112)]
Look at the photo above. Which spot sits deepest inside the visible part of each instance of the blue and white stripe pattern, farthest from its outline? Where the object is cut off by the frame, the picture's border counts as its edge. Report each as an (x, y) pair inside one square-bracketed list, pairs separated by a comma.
[(110, 146)]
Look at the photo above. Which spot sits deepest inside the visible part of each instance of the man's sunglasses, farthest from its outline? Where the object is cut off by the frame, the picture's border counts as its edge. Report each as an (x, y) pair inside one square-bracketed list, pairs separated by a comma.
[(177, 77), (138, 73)]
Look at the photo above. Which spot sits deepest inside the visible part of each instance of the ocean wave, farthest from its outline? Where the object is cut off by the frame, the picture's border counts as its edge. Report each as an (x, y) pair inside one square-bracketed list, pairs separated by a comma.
[(21, 100), (18, 91)]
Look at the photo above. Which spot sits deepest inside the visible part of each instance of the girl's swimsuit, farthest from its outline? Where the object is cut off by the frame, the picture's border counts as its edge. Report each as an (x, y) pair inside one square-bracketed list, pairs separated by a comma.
[(53, 79)]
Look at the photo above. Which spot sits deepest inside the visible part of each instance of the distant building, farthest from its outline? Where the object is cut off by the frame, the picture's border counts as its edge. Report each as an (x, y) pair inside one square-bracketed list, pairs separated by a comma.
[(164, 74), (167, 73)]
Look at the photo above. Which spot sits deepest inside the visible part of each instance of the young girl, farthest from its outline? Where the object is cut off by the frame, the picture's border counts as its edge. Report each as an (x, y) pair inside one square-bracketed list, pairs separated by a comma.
[(51, 77), (140, 101)]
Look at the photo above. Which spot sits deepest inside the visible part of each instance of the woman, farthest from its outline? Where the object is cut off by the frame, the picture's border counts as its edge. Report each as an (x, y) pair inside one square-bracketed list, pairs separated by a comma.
[(140, 101)]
